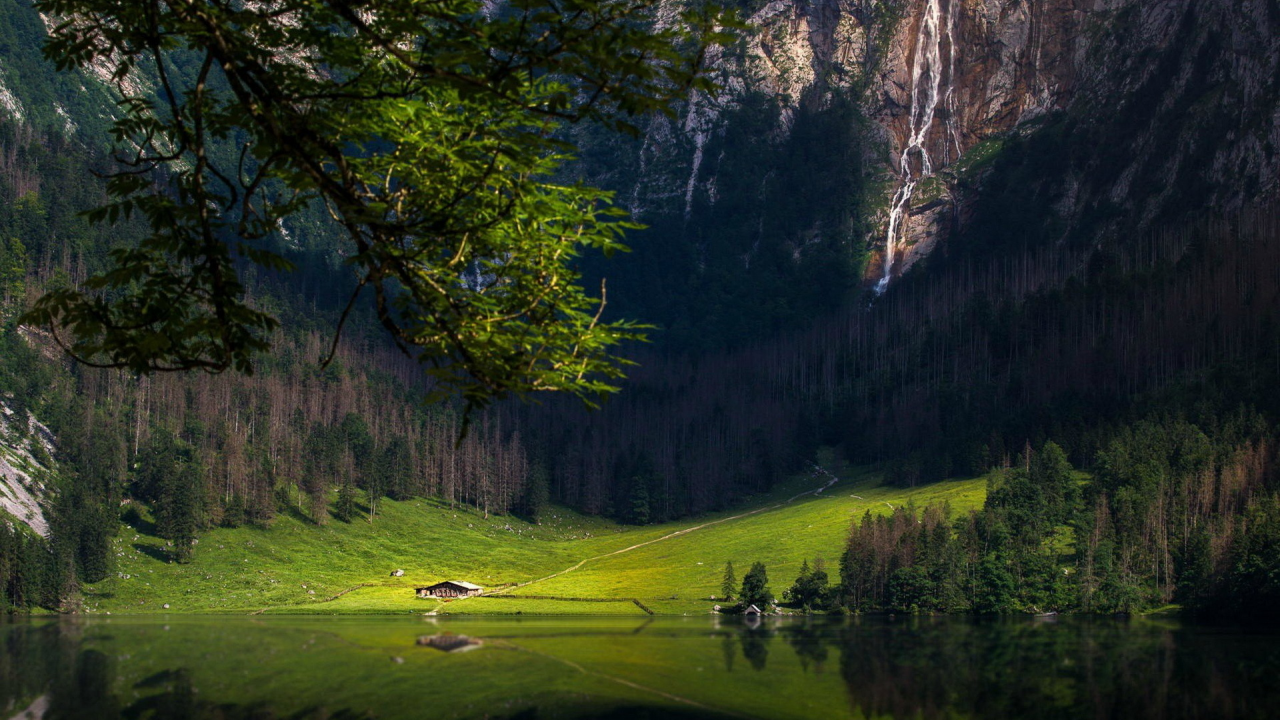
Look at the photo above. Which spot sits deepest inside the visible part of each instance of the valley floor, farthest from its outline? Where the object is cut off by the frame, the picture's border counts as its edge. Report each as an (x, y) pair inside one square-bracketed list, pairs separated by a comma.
[(567, 564)]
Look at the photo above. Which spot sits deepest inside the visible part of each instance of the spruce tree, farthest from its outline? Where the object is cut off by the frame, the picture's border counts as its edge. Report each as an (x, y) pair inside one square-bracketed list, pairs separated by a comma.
[(638, 510), (537, 493), (346, 507), (397, 463), (183, 510), (730, 583)]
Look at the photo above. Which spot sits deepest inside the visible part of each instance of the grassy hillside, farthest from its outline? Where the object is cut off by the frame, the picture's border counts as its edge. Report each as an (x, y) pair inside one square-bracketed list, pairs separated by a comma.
[(681, 573), (567, 564)]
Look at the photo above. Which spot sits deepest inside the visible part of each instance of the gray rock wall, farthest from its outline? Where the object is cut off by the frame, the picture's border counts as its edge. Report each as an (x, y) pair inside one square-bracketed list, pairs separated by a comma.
[(1184, 90)]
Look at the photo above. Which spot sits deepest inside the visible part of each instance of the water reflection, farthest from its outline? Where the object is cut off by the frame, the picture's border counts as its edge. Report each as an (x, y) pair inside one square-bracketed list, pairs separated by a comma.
[(619, 668), (1075, 669), (449, 642)]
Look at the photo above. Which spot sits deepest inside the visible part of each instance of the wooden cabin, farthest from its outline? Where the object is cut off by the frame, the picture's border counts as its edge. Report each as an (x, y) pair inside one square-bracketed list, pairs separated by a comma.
[(450, 589), (751, 610)]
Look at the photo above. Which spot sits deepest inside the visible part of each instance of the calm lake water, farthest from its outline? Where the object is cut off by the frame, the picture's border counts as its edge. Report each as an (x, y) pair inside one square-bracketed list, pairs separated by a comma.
[(228, 667)]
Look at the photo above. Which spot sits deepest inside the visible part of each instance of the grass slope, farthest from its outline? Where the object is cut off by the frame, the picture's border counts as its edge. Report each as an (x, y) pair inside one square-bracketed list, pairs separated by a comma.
[(681, 574), (568, 564)]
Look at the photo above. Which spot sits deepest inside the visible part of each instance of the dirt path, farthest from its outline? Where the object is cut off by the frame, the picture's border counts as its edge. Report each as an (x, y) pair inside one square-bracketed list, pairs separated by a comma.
[(831, 479)]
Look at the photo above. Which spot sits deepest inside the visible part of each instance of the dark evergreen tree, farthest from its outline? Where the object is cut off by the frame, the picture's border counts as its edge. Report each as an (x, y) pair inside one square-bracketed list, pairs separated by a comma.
[(180, 510), (1052, 473), (537, 493), (755, 587), (398, 466), (809, 591), (729, 585), (638, 510), (345, 508), (170, 476), (994, 587)]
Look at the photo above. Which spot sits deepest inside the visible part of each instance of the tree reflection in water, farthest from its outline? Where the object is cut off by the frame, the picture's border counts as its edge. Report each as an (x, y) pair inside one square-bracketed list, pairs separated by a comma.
[(1077, 668), (666, 668)]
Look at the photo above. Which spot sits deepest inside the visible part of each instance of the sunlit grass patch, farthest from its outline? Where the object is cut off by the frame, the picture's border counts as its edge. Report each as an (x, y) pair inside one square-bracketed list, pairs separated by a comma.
[(683, 574), (298, 564), (569, 563)]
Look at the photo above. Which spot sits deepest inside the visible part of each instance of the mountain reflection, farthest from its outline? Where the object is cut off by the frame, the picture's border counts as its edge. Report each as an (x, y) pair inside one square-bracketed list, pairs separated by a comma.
[(665, 668)]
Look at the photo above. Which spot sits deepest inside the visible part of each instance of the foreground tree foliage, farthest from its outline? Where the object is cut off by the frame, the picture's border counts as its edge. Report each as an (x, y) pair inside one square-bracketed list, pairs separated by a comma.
[(425, 128)]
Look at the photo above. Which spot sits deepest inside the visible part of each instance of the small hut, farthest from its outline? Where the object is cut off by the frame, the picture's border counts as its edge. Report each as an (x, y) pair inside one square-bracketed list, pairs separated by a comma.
[(450, 589), (751, 610)]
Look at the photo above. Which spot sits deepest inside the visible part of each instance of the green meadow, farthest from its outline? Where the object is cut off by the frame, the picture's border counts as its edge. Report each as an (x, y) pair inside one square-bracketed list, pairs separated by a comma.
[(566, 564)]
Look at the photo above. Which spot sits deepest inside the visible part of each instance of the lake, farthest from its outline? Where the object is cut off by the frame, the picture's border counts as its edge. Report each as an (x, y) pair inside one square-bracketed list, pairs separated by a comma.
[(571, 667)]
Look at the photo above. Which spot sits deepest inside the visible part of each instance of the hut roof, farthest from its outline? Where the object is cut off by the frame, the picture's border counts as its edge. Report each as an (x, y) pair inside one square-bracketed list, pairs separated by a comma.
[(459, 583)]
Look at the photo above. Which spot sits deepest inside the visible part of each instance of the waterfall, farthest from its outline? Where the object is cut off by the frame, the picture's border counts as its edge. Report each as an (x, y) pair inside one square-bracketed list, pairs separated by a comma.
[(926, 91)]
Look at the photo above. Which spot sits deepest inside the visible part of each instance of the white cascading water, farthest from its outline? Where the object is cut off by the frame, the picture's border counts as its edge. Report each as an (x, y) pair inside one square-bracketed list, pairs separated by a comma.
[(926, 91)]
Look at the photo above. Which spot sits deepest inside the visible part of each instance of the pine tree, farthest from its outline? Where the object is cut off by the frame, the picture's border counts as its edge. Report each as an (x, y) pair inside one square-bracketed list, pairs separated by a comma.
[(182, 510), (172, 478), (730, 583), (537, 492), (798, 592), (346, 507), (397, 464), (638, 510)]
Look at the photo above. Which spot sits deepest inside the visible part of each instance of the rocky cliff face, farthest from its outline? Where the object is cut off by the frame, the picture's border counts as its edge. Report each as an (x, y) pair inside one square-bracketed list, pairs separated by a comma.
[(26, 449), (1104, 115)]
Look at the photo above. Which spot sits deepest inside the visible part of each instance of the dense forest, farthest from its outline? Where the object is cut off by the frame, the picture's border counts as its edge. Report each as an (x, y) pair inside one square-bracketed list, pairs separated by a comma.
[(953, 373), (1171, 515)]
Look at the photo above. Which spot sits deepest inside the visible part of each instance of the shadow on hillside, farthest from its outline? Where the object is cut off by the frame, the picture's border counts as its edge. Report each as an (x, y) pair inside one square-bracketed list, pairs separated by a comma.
[(296, 513), (153, 552), (359, 511), (134, 519)]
